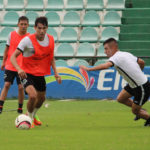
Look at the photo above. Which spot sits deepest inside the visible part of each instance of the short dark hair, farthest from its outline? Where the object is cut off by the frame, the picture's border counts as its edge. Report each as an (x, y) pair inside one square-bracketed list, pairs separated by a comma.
[(109, 41), (23, 18), (42, 20)]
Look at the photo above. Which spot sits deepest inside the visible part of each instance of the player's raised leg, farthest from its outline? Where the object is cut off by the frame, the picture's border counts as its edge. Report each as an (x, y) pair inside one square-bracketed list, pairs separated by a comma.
[(39, 102), (20, 98)]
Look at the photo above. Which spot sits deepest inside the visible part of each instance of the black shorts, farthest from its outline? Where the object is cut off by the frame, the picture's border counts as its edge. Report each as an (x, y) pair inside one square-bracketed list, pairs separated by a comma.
[(37, 81), (9, 76), (141, 93)]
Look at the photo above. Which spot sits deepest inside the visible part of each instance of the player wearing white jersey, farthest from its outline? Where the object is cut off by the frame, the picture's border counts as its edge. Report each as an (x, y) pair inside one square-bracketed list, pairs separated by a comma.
[(130, 68)]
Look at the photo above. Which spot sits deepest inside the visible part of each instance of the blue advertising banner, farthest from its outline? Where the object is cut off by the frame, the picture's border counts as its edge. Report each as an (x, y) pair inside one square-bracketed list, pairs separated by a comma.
[(79, 84)]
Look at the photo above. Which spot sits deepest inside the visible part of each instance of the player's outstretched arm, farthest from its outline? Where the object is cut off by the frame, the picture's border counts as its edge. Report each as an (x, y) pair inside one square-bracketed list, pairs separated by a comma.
[(58, 78), (99, 67), (4, 57), (13, 60), (141, 63)]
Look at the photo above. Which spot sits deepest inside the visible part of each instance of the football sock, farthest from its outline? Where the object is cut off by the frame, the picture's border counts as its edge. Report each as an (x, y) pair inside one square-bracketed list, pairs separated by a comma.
[(35, 111), (30, 115), (1, 105), (20, 105)]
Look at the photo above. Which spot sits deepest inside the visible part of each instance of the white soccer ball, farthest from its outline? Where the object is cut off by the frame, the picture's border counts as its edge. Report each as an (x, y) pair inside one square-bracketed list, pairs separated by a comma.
[(23, 122)]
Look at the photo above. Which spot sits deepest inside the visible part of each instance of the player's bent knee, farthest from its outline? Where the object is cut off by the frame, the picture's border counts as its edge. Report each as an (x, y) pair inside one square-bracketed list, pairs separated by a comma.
[(7, 85), (135, 111)]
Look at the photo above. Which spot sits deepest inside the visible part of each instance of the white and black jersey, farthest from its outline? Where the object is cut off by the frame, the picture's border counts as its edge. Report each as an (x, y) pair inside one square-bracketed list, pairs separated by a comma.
[(138, 84), (127, 66)]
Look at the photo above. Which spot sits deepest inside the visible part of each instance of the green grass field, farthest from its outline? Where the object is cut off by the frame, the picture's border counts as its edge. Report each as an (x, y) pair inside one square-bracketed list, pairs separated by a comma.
[(76, 125)]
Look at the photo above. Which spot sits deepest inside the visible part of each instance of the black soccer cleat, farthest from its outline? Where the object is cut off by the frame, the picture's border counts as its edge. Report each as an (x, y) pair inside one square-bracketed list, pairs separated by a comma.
[(147, 123), (136, 118), (19, 110)]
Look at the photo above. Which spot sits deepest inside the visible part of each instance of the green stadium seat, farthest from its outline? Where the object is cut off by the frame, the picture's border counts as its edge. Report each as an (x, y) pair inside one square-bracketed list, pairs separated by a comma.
[(92, 19), (135, 29), (95, 5), (17, 5), (1, 4), (100, 51), (61, 63), (65, 49), (34, 5), (115, 5), (4, 33), (10, 19), (2, 48), (31, 16), (31, 30), (109, 32), (1, 61), (68, 35), (81, 62), (52, 32), (53, 19), (112, 18), (74, 5), (89, 35), (85, 49), (134, 45), (55, 5), (71, 19), (101, 61)]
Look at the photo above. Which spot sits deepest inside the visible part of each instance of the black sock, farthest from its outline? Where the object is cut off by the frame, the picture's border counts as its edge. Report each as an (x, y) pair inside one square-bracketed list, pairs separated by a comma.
[(20, 105), (1, 103)]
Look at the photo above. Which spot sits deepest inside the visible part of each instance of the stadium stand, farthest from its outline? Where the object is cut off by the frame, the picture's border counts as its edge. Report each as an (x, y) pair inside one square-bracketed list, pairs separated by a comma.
[(36, 5), (85, 48), (61, 63), (10, 19), (54, 5), (74, 5), (1, 5), (64, 49), (81, 62), (89, 34), (74, 22), (53, 19), (71, 18), (2, 48), (109, 32), (135, 33), (97, 5), (52, 32), (15, 5), (31, 16), (4, 34), (112, 18), (115, 5), (68, 35), (92, 19)]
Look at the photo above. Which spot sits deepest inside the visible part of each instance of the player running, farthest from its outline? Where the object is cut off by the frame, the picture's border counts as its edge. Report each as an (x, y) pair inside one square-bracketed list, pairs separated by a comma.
[(38, 56), (10, 72), (130, 68)]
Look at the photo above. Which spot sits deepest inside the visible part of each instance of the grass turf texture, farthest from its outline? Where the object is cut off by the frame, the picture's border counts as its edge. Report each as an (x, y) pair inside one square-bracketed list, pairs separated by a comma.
[(76, 125)]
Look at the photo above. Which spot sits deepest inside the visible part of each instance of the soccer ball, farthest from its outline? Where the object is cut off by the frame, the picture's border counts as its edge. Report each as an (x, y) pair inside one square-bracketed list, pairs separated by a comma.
[(23, 122)]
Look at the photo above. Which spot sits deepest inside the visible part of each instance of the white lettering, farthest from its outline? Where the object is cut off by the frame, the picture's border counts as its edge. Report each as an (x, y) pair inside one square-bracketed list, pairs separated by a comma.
[(102, 79)]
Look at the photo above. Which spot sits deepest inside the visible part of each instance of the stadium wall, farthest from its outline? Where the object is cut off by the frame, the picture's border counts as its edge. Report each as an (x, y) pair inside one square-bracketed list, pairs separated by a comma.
[(79, 84)]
